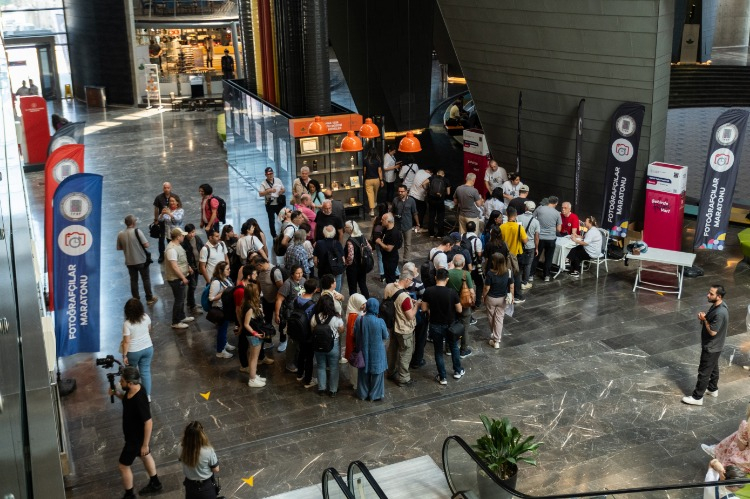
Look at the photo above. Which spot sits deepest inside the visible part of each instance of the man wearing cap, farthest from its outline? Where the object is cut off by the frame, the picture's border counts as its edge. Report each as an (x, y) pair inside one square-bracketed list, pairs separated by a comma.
[(519, 202), (570, 221), (273, 190), (227, 65), (177, 274), (511, 187)]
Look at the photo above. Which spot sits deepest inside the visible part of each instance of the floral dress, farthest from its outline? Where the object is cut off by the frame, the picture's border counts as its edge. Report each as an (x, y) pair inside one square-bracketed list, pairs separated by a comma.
[(728, 453)]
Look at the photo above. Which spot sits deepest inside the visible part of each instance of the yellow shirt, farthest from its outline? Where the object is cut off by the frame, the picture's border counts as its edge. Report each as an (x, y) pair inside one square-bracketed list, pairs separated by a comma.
[(513, 234)]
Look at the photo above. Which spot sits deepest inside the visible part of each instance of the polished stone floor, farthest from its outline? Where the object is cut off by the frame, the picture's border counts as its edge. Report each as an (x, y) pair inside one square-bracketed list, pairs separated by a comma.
[(593, 369)]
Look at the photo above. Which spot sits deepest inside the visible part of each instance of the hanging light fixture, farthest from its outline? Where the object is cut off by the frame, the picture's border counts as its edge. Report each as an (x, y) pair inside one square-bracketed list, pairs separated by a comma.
[(409, 144), (351, 143), (317, 127), (369, 130)]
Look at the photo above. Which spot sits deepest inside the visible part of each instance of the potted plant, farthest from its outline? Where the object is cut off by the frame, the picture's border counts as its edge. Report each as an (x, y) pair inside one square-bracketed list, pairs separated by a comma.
[(501, 448)]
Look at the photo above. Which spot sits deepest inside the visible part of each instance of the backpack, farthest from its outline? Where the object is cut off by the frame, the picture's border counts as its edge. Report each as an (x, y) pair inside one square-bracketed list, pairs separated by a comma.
[(427, 271), (298, 323), (221, 212), (366, 260), (388, 310), (436, 189), (278, 248), (322, 337), (465, 295), (335, 262), (228, 305), (468, 244), (205, 302), (455, 250), (284, 273)]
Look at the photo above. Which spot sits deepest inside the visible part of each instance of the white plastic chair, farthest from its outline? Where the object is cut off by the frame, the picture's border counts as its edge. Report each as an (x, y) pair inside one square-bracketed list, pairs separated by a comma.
[(602, 258)]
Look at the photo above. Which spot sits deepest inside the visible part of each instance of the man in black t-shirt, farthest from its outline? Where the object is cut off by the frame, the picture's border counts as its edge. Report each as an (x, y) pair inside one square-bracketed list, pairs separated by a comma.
[(442, 303), (326, 216), (390, 242), (136, 427)]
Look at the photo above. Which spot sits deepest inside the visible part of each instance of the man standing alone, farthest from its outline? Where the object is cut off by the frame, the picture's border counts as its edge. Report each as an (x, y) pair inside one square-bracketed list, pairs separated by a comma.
[(714, 325), (133, 243)]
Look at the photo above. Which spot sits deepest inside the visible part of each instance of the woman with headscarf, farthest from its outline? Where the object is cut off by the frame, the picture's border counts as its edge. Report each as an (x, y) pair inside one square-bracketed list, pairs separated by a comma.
[(356, 273), (370, 335), (354, 309)]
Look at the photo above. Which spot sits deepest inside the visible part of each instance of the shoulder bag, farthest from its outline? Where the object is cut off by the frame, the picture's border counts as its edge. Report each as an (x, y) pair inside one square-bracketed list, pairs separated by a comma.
[(467, 301), (149, 261)]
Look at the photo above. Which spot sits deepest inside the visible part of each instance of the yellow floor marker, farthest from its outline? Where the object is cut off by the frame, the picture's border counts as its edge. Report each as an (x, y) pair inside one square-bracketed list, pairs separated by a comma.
[(248, 481), (206, 395)]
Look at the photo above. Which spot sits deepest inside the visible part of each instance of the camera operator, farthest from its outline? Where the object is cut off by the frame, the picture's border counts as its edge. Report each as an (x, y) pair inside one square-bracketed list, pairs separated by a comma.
[(136, 427)]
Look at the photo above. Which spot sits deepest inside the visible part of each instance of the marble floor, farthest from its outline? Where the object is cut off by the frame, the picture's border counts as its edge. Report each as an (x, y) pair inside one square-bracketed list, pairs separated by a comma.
[(592, 369)]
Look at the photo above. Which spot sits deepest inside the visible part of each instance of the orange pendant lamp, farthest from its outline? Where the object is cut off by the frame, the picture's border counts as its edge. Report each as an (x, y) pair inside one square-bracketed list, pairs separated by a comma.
[(409, 144), (317, 127), (351, 143), (369, 130)]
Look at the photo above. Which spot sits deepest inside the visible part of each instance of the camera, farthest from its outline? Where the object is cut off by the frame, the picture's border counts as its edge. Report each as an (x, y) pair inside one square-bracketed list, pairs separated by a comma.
[(109, 362), (622, 149), (721, 159), (75, 239)]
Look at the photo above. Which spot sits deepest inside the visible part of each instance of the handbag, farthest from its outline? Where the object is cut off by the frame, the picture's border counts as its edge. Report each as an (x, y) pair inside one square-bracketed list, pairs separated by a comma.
[(467, 301), (260, 326), (455, 330), (356, 359), (149, 260), (154, 230), (215, 315)]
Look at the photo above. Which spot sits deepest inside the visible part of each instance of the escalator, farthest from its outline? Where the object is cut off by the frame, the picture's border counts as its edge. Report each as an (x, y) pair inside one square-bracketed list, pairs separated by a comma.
[(359, 484)]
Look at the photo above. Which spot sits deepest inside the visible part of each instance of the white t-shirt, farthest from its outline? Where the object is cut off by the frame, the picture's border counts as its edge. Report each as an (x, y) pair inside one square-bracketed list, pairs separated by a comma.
[(440, 261), (390, 175), (496, 178), (491, 205), (718, 491), (248, 244), (407, 173), (213, 290), (593, 239), (140, 339), (216, 255), (265, 185), (511, 190), (335, 324), (417, 191)]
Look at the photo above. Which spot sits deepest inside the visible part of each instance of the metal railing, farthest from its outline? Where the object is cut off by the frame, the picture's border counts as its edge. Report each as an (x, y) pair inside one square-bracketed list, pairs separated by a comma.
[(334, 486), (361, 483), (469, 477)]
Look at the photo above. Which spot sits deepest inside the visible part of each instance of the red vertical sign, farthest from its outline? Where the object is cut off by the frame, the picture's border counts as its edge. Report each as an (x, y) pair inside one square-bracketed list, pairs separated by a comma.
[(665, 206), (35, 128), (476, 157)]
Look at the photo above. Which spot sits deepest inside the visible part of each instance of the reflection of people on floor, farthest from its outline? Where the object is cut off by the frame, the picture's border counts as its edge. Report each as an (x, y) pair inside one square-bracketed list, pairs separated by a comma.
[(58, 122), (227, 65), (33, 89), (22, 90)]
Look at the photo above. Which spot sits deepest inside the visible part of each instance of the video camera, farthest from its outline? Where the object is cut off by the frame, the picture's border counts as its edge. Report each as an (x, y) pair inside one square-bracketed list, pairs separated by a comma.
[(108, 362)]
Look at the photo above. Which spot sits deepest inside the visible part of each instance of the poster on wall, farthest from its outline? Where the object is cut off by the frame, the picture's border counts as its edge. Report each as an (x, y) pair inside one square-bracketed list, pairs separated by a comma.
[(625, 135), (258, 137), (153, 90), (282, 154), (722, 165), (269, 141), (689, 48)]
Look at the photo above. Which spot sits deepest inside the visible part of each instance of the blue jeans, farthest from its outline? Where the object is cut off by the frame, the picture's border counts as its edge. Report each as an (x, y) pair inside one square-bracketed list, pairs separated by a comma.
[(142, 360), (380, 262), (338, 283), (221, 336), (438, 333), (330, 360)]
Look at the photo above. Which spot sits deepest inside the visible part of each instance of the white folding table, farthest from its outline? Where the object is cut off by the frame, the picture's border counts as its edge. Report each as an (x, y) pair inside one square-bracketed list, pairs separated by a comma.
[(665, 257)]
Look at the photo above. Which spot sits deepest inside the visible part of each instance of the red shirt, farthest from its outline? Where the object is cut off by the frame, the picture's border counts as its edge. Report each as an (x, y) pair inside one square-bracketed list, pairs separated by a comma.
[(208, 207), (569, 223)]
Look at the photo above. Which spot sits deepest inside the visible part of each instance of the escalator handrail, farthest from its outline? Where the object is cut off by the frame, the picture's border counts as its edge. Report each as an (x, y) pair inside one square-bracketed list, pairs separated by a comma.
[(470, 452), (336, 478), (368, 476)]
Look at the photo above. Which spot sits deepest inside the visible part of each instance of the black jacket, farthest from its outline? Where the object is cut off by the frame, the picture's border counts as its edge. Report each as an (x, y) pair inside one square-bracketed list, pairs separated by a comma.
[(190, 256)]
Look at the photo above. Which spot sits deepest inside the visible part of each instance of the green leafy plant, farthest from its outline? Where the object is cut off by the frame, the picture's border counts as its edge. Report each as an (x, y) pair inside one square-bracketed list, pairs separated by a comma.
[(503, 447)]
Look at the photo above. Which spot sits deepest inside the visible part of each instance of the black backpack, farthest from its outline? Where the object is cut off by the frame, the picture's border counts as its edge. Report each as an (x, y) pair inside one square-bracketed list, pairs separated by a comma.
[(468, 244), (335, 261), (322, 336), (364, 257), (427, 271), (284, 273), (388, 310), (298, 323), (455, 250), (221, 212), (278, 248), (437, 187), (228, 305)]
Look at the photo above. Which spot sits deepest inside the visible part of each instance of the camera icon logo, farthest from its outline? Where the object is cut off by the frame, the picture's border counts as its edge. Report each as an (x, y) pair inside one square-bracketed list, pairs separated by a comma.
[(722, 160), (75, 240), (622, 150)]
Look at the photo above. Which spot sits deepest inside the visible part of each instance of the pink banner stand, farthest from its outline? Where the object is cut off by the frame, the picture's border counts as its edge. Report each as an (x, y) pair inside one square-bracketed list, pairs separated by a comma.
[(665, 206), (476, 156)]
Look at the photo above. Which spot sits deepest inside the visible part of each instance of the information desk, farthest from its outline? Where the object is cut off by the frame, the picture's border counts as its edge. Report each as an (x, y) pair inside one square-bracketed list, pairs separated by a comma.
[(678, 259)]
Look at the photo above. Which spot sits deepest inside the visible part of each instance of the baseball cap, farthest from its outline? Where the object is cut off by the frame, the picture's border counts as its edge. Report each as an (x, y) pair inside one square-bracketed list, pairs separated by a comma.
[(523, 188), (269, 170), (530, 205), (455, 236), (176, 232)]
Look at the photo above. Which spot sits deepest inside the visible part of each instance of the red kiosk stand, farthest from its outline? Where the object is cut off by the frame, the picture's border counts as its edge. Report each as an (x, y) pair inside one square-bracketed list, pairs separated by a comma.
[(476, 157), (35, 129), (665, 206)]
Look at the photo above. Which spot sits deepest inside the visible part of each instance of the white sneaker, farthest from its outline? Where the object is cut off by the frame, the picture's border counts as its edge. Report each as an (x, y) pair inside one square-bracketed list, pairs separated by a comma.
[(691, 401), (179, 325), (709, 449), (188, 319), (313, 382), (224, 355), (281, 347), (256, 383), (343, 360), (714, 393), (230, 348), (526, 286)]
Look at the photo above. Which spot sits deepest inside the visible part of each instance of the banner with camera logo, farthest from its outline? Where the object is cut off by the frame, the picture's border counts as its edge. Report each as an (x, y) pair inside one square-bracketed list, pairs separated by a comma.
[(723, 163), (72, 133), (76, 231), (621, 160)]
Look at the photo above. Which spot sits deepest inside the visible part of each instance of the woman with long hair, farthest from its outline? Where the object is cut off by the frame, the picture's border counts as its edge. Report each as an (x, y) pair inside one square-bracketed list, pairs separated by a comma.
[(316, 193), (220, 282), (356, 273), (494, 245), (494, 221), (495, 202), (251, 309), (373, 175), (325, 314), (355, 307), (370, 336), (251, 242), (137, 347), (172, 214), (199, 463), (498, 283)]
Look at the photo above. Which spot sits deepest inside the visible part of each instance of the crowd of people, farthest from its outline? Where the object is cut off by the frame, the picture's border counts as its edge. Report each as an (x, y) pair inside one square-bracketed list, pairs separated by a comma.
[(288, 281)]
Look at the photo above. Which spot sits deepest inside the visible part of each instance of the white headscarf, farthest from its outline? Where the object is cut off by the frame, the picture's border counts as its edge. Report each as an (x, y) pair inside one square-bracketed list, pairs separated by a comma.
[(354, 306), (356, 232)]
